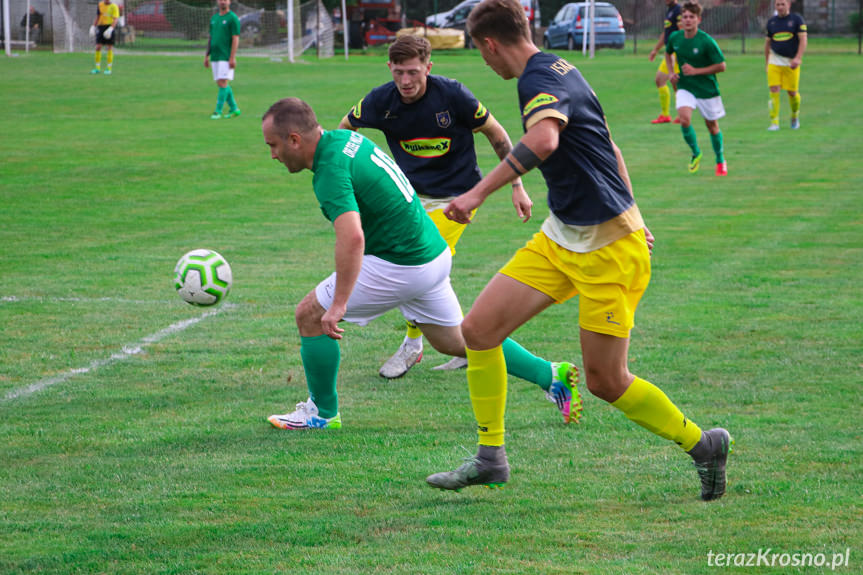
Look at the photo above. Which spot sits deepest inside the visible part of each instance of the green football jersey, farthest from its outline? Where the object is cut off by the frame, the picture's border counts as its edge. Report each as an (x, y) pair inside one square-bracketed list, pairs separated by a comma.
[(353, 175), (222, 31), (699, 51)]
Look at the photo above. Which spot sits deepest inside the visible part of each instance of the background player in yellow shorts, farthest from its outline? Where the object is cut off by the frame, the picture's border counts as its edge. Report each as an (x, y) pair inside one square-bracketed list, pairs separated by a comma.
[(783, 50), (663, 75)]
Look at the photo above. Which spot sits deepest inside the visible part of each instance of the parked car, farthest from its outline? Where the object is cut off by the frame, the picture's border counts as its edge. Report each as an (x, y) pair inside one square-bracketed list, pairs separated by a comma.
[(149, 16), (457, 19), (570, 23), (440, 19), (250, 23)]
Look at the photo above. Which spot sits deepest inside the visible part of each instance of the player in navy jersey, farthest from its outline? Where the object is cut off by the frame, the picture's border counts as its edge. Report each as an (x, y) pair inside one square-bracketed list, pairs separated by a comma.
[(429, 123), (783, 49), (663, 74), (593, 245)]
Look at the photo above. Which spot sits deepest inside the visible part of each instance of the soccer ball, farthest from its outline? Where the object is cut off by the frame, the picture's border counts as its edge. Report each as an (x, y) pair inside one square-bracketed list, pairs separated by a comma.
[(203, 277)]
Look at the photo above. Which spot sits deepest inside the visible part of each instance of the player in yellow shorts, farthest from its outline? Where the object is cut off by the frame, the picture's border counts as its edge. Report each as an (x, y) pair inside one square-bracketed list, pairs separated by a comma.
[(783, 50), (594, 244), (671, 24), (608, 293)]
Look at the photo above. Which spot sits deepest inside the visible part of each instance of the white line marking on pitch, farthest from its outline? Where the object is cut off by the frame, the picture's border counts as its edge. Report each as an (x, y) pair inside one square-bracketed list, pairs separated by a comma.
[(23, 299), (127, 352)]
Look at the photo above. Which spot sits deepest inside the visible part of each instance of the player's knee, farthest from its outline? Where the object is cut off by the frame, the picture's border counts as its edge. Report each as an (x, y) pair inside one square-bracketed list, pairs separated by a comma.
[(470, 332), (308, 312), (605, 383), (477, 336)]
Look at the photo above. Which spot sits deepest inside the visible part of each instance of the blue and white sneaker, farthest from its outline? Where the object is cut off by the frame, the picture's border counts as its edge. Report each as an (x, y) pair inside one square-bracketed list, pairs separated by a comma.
[(563, 391), (305, 417)]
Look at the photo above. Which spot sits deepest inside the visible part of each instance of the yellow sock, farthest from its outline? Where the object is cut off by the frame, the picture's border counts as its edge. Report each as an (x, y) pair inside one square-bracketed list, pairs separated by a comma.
[(110, 58), (649, 407), (795, 104), (413, 331), (486, 381), (774, 107), (665, 100), (98, 59)]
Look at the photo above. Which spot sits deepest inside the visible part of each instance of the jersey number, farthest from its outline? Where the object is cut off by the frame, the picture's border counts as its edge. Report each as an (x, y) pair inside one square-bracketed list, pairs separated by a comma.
[(387, 163)]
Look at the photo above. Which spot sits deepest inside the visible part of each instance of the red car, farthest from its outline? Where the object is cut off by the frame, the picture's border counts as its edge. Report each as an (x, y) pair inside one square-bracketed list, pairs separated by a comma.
[(149, 16)]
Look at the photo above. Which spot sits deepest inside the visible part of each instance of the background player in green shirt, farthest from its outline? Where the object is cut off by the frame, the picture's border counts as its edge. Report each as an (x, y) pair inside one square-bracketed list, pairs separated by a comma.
[(222, 54), (700, 59)]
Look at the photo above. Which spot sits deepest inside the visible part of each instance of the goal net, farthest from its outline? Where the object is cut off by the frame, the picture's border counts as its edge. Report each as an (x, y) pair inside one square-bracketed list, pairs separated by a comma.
[(292, 30)]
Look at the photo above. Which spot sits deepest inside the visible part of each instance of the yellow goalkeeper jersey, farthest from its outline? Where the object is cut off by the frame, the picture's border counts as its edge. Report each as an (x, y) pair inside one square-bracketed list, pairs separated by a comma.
[(108, 14)]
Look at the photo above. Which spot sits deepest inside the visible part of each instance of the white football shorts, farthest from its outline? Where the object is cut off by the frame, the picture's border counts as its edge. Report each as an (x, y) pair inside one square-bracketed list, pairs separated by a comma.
[(222, 71), (423, 294), (709, 108)]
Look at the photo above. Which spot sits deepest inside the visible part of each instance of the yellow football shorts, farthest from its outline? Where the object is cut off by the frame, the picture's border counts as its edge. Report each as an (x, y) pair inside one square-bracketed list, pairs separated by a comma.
[(450, 230), (663, 68), (609, 281), (784, 77)]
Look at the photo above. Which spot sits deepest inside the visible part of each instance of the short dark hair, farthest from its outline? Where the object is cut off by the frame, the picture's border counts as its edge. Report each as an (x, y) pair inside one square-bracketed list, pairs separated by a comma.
[(692, 6), (409, 46), (292, 115), (503, 20)]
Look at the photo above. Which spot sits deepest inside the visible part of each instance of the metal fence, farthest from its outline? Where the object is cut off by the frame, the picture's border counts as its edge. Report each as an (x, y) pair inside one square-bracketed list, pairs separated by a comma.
[(730, 19)]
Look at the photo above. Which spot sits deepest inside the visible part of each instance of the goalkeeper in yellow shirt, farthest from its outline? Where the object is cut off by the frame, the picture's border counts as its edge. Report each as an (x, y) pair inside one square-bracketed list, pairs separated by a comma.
[(102, 30)]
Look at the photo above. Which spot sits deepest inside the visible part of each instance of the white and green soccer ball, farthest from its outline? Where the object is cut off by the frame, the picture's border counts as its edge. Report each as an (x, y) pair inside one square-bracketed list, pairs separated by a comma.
[(203, 277)]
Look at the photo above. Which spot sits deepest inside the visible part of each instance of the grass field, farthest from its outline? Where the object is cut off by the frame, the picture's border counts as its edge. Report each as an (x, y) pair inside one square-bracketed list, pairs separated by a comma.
[(133, 442)]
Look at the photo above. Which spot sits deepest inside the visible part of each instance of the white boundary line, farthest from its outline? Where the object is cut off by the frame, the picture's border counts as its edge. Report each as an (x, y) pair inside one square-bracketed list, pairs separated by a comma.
[(127, 352), (23, 299)]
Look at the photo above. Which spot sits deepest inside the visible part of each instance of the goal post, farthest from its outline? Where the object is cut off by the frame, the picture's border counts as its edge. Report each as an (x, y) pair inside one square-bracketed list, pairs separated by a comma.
[(309, 25)]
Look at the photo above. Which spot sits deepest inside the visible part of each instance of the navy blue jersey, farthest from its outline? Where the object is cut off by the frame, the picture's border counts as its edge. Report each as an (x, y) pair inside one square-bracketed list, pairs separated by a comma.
[(784, 34), (431, 139), (584, 185), (672, 20)]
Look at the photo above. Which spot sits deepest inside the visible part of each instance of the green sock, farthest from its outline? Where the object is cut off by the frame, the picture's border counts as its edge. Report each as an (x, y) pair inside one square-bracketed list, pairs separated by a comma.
[(716, 141), (220, 100), (321, 356), (232, 103), (521, 363), (691, 139)]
